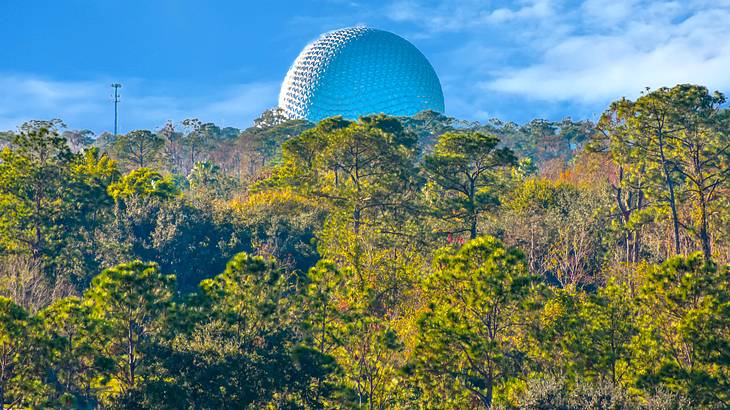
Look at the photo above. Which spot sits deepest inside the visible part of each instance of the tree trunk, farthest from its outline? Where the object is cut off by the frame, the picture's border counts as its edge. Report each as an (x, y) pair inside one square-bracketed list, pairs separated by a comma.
[(130, 352), (473, 211), (702, 199), (38, 234), (356, 215), (473, 230), (672, 198), (704, 234), (637, 232), (371, 403), (324, 328), (487, 398), (675, 218)]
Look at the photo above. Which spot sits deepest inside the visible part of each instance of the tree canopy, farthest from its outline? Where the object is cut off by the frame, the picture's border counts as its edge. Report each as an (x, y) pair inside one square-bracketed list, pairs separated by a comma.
[(419, 262)]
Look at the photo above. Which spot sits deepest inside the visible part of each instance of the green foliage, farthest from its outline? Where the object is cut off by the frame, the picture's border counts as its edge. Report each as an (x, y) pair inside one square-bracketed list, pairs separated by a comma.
[(671, 145), (558, 225), (587, 335), (244, 349), (357, 289), (282, 224), (143, 182), (355, 168), (478, 301), (153, 222), (462, 173), (20, 357), (78, 366), (32, 193), (683, 342), (206, 179), (131, 299), (139, 148), (52, 202)]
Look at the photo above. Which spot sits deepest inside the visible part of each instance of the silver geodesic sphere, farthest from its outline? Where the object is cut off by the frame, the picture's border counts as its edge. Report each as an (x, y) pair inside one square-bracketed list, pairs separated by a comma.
[(358, 71)]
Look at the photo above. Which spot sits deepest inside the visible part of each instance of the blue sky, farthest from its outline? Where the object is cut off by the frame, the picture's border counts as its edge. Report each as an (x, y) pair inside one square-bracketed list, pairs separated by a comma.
[(223, 61)]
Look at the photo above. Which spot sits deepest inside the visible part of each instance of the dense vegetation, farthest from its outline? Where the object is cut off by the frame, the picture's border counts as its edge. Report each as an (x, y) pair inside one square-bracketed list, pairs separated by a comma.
[(419, 262)]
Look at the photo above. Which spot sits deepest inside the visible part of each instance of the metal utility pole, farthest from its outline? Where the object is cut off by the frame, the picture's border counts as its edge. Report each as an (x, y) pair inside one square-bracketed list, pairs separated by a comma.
[(116, 87)]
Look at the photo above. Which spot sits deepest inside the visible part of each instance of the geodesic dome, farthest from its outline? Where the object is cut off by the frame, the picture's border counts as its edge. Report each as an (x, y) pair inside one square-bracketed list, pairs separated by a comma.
[(359, 71)]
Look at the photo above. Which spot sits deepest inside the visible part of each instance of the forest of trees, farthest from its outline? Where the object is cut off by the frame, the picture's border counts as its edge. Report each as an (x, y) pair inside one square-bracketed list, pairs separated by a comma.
[(386, 263)]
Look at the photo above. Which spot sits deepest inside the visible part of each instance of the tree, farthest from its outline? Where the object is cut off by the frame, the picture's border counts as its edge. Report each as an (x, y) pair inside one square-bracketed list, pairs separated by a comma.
[(362, 173), (683, 345), (172, 150), (670, 144), (240, 345), (78, 361), (558, 225), (89, 215), (207, 180), (131, 298), (32, 190), (587, 336), (645, 138), (429, 125), (325, 280), (469, 334), (359, 168), (638, 134), (282, 225), (154, 222), (262, 143), (195, 140), (270, 118), (79, 140), (53, 202), (139, 148), (462, 172), (143, 182), (700, 152), (344, 320), (20, 358)]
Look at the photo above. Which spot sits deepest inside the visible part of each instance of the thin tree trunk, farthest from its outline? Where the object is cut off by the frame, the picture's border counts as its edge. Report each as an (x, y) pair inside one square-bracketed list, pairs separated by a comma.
[(38, 234), (473, 230), (473, 213), (488, 396), (702, 199), (704, 234), (675, 216), (637, 233), (356, 215), (672, 198), (324, 329), (130, 352)]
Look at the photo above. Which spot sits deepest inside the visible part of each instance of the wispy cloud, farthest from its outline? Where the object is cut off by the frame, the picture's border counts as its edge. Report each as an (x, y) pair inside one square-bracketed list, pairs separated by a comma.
[(586, 52), (513, 59), (88, 104), (675, 45), (241, 103), (24, 98), (463, 15)]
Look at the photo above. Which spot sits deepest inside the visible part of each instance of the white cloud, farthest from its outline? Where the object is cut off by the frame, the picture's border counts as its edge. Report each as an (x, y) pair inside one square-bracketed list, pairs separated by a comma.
[(582, 52), (24, 98), (607, 12), (245, 101), (536, 9), (519, 59), (644, 53), (461, 15), (88, 104)]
